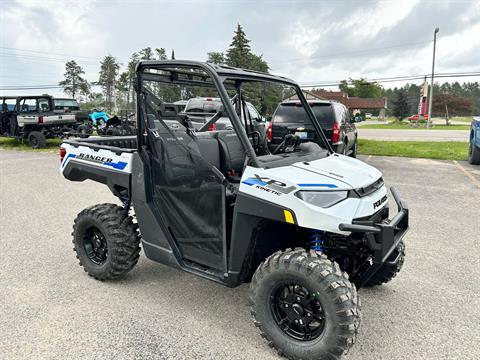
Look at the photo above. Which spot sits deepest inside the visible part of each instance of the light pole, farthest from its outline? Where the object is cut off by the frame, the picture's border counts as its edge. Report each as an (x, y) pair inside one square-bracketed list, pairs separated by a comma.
[(431, 84)]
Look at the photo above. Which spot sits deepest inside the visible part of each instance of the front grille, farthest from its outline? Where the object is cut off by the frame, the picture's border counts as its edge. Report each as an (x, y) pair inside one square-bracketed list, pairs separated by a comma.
[(367, 190)]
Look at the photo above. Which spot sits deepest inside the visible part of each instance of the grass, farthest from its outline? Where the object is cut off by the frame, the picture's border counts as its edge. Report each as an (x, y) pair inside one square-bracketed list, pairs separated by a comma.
[(14, 144), (406, 126), (441, 150)]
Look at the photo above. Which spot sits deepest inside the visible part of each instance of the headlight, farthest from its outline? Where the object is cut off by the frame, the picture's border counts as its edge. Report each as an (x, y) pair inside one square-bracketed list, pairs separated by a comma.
[(322, 199)]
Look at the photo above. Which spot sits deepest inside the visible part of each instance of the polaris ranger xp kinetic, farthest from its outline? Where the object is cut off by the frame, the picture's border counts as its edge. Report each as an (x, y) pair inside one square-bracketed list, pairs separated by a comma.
[(305, 226)]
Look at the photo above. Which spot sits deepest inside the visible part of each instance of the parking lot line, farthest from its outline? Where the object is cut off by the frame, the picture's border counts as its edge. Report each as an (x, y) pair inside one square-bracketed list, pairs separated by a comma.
[(475, 181)]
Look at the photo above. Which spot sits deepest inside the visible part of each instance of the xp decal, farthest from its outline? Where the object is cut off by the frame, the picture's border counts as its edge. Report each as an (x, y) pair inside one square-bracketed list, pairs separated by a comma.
[(269, 185)]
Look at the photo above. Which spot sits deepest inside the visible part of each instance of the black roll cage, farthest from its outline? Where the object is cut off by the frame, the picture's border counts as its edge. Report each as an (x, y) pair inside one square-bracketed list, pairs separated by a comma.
[(218, 74)]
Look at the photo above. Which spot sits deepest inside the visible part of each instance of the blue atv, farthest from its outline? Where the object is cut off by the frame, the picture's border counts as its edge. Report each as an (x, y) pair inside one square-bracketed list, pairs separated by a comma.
[(103, 124), (474, 148)]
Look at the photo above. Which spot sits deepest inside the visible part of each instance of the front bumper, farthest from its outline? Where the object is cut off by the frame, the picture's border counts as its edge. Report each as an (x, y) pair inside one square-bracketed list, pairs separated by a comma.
[(382, 237)]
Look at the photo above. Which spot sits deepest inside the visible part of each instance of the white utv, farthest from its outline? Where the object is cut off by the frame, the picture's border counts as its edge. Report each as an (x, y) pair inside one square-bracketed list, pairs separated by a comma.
[(305, 226)]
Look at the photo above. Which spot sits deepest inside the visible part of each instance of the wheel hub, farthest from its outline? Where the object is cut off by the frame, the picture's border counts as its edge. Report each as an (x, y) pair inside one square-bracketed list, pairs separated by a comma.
[(95, 246), (298, 312)]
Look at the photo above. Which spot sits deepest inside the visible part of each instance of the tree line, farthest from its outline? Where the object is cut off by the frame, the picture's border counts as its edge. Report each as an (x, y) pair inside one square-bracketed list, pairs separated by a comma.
[(449, 99), (117, 92)]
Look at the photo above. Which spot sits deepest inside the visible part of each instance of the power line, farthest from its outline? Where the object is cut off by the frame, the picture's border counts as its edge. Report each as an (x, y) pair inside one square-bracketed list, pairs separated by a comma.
[(303, 85), (391, 79), (351, 52), (43, 58), (49, 53)]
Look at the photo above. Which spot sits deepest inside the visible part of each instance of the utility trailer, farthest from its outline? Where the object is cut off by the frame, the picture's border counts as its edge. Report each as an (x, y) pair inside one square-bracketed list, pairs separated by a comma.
[(305, 227)]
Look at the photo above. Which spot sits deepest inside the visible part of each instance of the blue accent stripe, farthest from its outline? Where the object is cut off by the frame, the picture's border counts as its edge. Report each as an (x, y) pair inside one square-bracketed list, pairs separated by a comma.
[(119, 165), (70, 156), (254, 181), (330, 186)]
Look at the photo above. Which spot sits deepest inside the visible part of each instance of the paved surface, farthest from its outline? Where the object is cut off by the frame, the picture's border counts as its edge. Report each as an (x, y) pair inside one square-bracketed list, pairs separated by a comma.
[(413, 135), (50, 309)]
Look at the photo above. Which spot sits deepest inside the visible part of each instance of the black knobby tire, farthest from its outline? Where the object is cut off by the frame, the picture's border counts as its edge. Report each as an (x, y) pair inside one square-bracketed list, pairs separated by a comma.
[(354, 150), (84, 131), (389, 270), (36, 140), (326, 282), (473, 154), (117, 238)]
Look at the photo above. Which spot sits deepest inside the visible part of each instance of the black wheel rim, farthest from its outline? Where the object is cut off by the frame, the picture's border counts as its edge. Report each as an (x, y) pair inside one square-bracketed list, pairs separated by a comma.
[(34, 141), (298, 312), (95, 246)]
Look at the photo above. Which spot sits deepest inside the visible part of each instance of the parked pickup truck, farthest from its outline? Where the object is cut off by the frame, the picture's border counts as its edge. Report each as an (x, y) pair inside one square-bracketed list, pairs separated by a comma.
[(474, 148), (66, 105), (33, 118)]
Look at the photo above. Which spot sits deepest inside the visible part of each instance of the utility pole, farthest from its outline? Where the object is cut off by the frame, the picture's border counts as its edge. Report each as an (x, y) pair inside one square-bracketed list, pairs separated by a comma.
[(431, 84)]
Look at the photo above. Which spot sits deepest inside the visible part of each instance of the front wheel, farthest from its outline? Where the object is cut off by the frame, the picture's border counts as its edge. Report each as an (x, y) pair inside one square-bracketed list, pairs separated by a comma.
[(106, 241), (390, 268), (304, 305)]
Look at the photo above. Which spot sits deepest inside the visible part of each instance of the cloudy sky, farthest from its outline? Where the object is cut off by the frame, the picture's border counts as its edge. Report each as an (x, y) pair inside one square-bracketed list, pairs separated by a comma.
[(309, 41)]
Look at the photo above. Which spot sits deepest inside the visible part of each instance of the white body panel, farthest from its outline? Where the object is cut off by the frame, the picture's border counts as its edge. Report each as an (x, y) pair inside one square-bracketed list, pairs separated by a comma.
[(101, 158), (336, 172), (23, 120), (333, 173)]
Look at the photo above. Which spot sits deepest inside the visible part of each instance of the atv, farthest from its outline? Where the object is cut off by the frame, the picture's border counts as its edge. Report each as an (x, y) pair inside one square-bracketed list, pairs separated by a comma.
[(104, 124), (306, 227)]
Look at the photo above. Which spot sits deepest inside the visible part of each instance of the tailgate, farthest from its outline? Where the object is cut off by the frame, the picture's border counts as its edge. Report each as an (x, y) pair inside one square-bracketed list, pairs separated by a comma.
[(59, 119)]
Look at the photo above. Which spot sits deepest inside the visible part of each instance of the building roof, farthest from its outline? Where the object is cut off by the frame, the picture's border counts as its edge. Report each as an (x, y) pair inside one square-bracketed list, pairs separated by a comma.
[(352, 102)]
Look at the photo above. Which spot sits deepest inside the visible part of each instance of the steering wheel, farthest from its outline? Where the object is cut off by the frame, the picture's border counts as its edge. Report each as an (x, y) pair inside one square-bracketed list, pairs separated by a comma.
[(255, 142), (289, 144)]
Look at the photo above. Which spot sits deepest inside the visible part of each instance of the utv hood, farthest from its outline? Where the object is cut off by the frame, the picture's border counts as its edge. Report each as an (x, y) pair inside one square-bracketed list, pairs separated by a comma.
[(341, 171)]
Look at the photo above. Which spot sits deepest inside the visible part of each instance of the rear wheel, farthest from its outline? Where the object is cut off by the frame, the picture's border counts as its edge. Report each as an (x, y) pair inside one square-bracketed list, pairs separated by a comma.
[(84, 131), (355, 149), (345, 147), (473, 154), (304, 305), (106, 241), (36, 140)]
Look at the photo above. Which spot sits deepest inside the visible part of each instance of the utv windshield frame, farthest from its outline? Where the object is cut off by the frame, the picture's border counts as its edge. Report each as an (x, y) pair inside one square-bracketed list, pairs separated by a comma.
[(218, 74)]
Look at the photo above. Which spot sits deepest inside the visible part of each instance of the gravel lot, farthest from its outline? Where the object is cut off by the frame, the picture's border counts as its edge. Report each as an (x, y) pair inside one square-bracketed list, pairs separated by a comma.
[(50, 309)]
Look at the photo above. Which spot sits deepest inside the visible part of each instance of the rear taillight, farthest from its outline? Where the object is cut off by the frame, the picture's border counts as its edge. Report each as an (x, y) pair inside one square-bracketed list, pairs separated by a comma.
[(336, 132), (63, 152), (270, 131), (212, 127), (40, 119)]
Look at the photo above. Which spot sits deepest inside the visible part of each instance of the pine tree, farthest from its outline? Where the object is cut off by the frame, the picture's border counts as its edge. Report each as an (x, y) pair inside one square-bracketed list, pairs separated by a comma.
[(216, 57), (107, 78), (400, 105), (74, 83), (238, 53)]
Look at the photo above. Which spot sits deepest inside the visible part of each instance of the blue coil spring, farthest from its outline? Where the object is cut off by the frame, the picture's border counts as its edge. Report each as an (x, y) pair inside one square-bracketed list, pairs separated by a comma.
[(316, 241)]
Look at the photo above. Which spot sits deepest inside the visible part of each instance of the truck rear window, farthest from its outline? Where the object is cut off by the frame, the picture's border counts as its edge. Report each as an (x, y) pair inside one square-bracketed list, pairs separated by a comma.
[(295, 113), (61, 104), (203, 106)]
